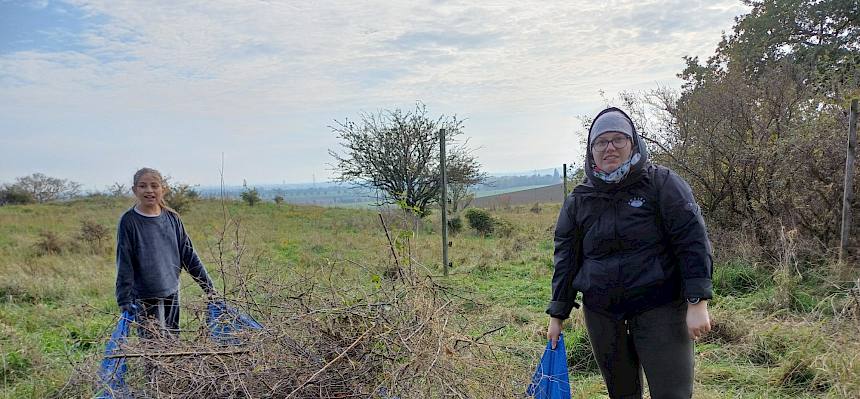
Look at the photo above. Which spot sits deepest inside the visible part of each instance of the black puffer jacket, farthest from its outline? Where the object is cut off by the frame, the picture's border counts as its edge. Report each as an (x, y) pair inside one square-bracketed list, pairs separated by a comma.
[(643, 242)]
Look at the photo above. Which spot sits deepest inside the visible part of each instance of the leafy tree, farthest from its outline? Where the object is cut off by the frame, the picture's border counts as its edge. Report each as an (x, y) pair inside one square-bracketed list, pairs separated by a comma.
[(822, 37), (758, 130), (11, 194), (180, 196), (397, 152)]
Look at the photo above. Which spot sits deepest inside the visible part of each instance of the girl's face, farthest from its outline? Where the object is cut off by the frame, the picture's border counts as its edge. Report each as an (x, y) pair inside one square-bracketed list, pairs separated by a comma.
[(148, 190)]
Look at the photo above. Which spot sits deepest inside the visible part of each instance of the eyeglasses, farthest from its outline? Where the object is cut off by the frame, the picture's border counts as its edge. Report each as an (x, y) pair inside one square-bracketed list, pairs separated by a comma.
[(618, 142)]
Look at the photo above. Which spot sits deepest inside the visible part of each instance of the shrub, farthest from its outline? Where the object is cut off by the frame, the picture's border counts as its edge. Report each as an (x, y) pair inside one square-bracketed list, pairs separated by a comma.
[(93, 234), (279, 199), (14, 195), (49, 243), (536, 208), (502, 228), (180, 197), (455, 225), (251, 196), (480, 220)]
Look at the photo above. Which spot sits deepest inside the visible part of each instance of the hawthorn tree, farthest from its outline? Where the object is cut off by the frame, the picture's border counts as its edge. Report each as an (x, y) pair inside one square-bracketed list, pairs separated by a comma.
[(397, 152)]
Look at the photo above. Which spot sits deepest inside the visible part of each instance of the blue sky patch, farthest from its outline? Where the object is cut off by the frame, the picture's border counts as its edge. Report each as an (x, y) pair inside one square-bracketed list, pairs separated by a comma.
[(43, 26)]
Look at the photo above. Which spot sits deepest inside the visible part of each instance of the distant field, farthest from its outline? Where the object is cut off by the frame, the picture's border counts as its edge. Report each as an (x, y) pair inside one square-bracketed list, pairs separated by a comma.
[(490, 193), (524, 196), (776, 335)]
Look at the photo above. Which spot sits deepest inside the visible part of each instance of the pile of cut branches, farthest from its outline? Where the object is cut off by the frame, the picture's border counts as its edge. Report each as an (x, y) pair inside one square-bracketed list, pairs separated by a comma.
[(328, 338)]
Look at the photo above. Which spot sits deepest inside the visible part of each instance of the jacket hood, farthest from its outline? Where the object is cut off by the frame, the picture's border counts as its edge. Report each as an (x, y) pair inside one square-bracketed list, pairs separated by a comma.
[(635, 170)]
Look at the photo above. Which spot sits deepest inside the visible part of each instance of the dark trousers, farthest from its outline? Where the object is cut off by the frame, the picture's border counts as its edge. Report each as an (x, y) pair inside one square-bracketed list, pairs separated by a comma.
[(158, 316), (655, 341)]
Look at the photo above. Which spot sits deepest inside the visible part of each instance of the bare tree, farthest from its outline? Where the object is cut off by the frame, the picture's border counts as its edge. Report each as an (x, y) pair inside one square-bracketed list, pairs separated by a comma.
[(118, 190), (45, 188), (397, 152)]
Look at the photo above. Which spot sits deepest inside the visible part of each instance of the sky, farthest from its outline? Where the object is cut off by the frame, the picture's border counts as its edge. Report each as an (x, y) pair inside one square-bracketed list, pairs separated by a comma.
[(93, 90)]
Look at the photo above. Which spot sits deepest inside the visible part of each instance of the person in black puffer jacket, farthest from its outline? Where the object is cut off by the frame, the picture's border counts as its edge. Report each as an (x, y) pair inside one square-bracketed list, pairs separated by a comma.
[(631, 238)]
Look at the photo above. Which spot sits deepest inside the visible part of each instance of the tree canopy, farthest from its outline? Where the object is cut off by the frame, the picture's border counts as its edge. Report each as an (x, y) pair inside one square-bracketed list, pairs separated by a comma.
[(397, 152)]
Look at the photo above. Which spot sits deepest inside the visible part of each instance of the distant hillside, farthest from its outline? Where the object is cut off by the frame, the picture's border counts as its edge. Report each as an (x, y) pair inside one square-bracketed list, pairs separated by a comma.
[(334, 194), (543, 195)]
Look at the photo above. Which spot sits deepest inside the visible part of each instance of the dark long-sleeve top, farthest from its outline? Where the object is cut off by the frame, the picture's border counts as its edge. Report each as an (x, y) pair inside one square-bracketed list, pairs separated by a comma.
[(643, 244), (150, 253)]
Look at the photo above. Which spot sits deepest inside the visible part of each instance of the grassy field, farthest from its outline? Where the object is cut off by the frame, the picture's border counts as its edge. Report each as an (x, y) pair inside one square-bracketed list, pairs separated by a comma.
[(782, 330)]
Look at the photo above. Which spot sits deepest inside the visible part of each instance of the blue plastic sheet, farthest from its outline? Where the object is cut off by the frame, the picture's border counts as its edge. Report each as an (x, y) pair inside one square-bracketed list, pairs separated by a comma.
[(112, 371), (550, 380), (225, 321)]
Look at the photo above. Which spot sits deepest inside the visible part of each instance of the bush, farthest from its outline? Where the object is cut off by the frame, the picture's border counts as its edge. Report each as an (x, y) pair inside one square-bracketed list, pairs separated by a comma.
[(480, 220), (14, 195), (279, 199), (502, 228), (536, 209), (49, 243), (180, 197), (455, 225), (251, 196), (93, 234)]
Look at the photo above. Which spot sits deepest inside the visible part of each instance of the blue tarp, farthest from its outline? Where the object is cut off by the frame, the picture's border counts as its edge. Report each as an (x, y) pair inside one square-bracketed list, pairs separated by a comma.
[(112, 371), (225, 321), (550, 380)]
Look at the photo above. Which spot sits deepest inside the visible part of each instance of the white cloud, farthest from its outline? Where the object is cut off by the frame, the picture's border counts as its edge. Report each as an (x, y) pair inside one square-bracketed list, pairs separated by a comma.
[(278, 72)]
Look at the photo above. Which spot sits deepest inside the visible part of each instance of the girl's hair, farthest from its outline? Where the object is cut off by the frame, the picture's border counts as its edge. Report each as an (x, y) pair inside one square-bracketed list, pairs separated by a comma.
[(144, 171)]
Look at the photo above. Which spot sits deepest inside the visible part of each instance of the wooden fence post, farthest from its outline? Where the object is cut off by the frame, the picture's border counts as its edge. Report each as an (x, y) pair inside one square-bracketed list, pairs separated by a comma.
[(848, 196), (564, 180), (444, 191)]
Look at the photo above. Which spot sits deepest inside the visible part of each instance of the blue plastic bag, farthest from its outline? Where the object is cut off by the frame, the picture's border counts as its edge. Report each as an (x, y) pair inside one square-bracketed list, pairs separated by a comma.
[(225, 321), (112, 371), (550, 380)]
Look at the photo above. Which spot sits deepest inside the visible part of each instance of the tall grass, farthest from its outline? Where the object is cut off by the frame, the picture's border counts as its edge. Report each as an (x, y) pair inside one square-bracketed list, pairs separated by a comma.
[(783, 328)]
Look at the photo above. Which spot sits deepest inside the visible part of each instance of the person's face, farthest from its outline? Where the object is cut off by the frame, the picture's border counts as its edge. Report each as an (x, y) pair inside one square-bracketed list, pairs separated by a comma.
[(148, 190), (610, 150)]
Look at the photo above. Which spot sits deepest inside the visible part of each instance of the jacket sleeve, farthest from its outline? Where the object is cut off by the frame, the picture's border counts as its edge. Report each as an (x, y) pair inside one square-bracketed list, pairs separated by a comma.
[(124, 264), (565, 261), (190, 260), (688, 237)]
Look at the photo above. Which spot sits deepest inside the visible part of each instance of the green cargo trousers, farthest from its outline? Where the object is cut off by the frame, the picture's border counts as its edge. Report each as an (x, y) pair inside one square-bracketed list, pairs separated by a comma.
[(655, 341)]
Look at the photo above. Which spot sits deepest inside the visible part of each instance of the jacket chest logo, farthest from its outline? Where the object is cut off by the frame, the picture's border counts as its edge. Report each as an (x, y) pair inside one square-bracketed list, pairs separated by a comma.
[(636, 202)]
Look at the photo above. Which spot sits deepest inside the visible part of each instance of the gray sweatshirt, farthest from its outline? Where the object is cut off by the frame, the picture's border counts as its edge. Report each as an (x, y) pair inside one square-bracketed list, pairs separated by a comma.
[(150, 252)]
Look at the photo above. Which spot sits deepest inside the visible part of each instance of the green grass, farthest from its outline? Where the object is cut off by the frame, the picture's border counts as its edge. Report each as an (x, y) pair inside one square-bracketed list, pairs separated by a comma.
[(57, 310)]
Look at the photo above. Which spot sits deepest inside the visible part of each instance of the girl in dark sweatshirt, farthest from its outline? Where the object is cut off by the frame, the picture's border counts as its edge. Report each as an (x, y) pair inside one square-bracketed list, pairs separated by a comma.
[(152, 247)]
